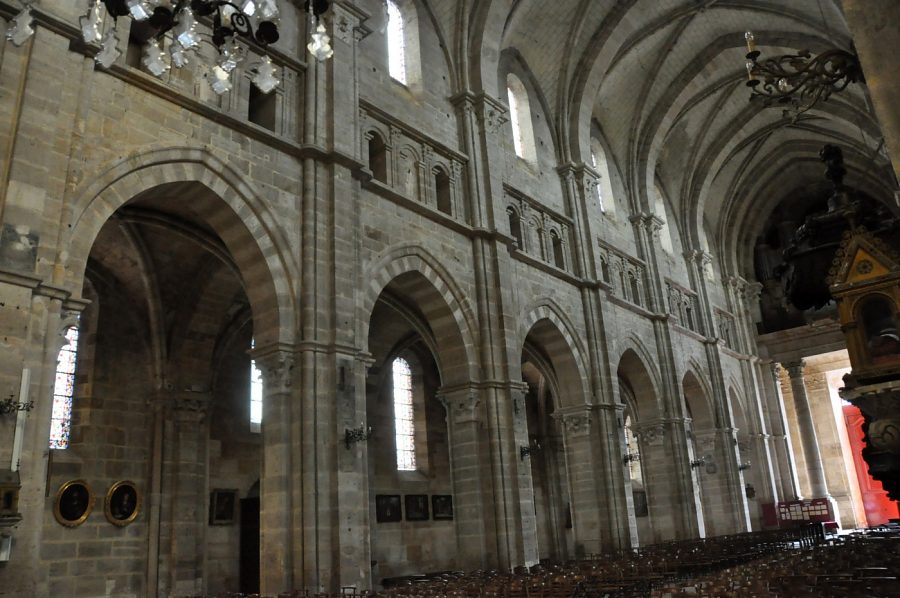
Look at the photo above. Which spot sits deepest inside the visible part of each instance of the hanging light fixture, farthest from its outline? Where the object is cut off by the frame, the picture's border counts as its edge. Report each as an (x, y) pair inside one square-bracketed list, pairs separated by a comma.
[(799, 81), (253, 20), (320, 46)]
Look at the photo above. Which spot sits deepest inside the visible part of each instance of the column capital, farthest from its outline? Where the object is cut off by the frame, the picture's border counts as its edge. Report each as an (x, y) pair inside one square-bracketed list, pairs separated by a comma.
[(277, 367), (576, 419), (794, 368), (698, 256), (461, 403), (647, 221), (190, 407)]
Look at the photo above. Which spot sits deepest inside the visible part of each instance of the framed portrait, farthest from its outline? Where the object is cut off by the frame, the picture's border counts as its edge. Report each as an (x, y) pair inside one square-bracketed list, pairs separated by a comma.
[(123, 503), (416, 507), (74, 503), (441, 507), (387, 508), (222, 503)]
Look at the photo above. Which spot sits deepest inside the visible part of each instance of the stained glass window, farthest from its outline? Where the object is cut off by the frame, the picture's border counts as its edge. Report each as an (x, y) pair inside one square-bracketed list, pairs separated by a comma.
[(396, 37), (256, 395), (404, 426), (63, 390)]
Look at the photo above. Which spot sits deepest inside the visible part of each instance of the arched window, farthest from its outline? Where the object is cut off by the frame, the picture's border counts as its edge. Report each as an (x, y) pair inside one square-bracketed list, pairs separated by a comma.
[(378, 157), (515, 227), (604, 270), (63, 391), (635, 289), (604, 187), (396, 39), (442, 191), (404, 422), (520, 118), (558, 257), (665, 235), (256, 395)]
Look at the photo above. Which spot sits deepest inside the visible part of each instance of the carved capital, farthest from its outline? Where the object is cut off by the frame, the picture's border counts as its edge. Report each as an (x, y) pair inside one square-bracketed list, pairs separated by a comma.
[(794, 368), (461, 405), (576, 421), (278, 371), (191, 407), (492, 115), (649, 433)]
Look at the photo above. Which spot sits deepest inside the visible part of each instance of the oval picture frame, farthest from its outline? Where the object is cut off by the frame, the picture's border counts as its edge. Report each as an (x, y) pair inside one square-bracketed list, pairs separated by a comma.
[(123, 503), (74, 503)]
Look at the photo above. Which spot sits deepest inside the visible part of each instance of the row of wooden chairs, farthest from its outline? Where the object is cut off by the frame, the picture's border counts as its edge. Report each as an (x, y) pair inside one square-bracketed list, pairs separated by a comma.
[(764, 564), (861, 565)]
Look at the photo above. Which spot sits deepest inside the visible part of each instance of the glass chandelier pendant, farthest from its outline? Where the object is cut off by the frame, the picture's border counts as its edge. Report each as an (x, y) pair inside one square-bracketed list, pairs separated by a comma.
[(219, 80), (320, 46), (154, 58), (268, 10), (231, 56), (186, 30), (109, 51), (21, 27), (141, 10), (179, 56), (91, 23), (265, 77)]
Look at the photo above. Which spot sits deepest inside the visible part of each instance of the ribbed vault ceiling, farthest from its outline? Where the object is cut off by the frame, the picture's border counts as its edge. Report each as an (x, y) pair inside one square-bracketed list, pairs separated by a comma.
[(664, 82)]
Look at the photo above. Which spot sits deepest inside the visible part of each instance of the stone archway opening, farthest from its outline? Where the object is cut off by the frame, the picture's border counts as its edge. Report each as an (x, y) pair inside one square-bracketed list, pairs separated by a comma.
[(415, 510), (181, 289), (654, 477)]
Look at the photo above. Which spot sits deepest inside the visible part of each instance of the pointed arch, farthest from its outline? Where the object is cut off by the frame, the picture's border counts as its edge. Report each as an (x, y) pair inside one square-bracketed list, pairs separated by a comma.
[(438, 296), (634, 366), (545, 325), (698, 397), (248, 228)]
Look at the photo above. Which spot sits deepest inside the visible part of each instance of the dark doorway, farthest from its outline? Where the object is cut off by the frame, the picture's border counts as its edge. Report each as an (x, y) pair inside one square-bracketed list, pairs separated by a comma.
[(250, 545)]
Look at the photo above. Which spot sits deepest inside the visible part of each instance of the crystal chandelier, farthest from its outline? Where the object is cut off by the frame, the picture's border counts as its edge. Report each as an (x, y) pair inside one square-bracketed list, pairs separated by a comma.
[(320, 46), (254, 20), (800, 80)]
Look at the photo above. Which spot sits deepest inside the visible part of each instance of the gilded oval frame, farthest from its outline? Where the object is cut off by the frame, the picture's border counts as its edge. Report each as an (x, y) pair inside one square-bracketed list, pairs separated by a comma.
[(112, 508), (83, 503)]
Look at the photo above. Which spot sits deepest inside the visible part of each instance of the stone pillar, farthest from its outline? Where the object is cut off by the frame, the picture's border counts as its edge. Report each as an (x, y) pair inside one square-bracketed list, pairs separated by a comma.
[(36, 316), (524, 537), (724, 501), (472, 517), (781, 440), (275, 504), (875, 27), (816, 470), (186, 517), (672, 494), (583, 449), (614, 480)]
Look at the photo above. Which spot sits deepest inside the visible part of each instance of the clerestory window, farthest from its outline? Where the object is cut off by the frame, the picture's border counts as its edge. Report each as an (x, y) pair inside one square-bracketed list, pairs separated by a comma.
[(520, 118), (396, 43)]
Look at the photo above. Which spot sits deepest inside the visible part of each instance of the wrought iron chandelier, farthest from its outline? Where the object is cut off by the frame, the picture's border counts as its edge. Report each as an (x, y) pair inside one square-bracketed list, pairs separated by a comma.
[(799, 81), (253, 21)]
